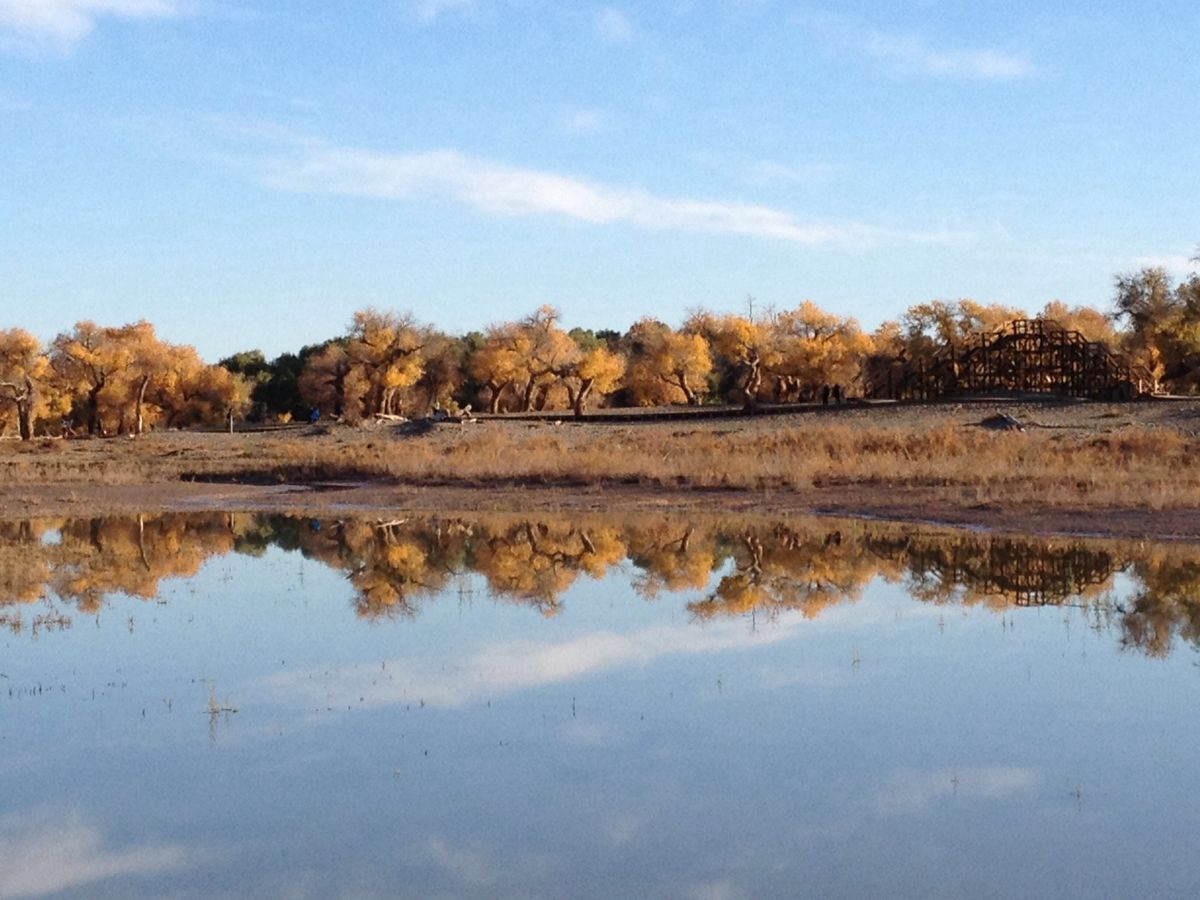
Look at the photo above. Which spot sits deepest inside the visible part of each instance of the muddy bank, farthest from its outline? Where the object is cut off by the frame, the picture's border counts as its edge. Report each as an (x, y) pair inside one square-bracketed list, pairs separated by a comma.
[(1118, 470), (918, 506)]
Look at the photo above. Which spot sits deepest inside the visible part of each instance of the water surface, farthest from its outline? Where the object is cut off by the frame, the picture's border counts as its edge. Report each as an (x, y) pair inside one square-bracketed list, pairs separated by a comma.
[(232, 705)]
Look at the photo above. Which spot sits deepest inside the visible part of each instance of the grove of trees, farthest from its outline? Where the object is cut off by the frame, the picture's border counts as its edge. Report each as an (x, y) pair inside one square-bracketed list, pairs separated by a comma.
[(110, 380)]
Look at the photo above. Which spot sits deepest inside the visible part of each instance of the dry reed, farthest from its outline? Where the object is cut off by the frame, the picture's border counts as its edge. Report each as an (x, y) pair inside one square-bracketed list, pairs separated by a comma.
[(1134, 467)]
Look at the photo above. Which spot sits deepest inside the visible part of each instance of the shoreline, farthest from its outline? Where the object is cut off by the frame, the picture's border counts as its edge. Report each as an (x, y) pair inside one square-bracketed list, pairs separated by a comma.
[(908, 506), (1081, 469)]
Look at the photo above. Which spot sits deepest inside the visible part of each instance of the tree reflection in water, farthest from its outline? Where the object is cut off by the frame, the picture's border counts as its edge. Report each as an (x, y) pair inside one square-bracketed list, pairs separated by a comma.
[(726, 567)]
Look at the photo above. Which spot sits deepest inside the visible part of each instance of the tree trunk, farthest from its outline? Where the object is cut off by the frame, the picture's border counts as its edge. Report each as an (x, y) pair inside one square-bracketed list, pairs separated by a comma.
[(376, 397), (688, 394), (527, 396), (25, 419), (142, 543), (25, 405), (139, 424), (93, 408), (754, 378), (581, 398), (497, 390), (338, 383)]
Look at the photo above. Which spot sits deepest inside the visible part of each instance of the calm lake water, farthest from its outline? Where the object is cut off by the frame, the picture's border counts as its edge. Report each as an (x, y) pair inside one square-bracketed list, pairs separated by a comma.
[(251, 706)]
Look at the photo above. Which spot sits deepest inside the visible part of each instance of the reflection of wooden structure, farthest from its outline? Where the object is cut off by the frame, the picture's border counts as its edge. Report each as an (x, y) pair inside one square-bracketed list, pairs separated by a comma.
[(1028, 356), (1024, 573)]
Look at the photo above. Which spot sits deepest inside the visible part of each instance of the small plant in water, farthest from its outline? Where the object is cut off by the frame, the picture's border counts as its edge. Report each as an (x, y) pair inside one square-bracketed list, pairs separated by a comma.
[(214, 707), (215, 710)]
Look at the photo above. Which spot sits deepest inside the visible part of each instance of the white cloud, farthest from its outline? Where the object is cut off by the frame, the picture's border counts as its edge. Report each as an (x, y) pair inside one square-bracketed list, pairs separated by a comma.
[(43, 855), (715, 890), (614, 26), (479, 869), (431, 10), (626, 828), (65, 22), (470, 866), (512, 666), (914, 791), (1180, 265), (14, 105), (768, 172), (502, 190), (910, 54), (584, 121)]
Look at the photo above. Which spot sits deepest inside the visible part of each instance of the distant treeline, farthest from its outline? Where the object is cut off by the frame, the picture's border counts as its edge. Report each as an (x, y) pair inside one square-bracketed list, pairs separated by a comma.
[(121, 380)]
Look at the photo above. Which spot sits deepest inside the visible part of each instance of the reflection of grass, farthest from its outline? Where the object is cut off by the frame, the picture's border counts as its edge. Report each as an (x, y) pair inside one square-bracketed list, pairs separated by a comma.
[(214, 707), (215, 711), (1144, 468)]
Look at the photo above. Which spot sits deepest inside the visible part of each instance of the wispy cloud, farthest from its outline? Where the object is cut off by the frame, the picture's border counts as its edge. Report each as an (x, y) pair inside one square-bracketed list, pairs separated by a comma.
[(614, 26), (723, 889), (65, 22), (431, 10), (508, 667), (912, 791), (501, 190), (768, 172), (40, 855), (479, 869), (471, 866), (911, 54), (584, 121), (14, 104), (1180, 265), (512, 666)]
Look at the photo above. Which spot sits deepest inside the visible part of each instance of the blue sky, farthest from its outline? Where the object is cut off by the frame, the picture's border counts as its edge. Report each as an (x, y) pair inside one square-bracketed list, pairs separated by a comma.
[(246, 174)]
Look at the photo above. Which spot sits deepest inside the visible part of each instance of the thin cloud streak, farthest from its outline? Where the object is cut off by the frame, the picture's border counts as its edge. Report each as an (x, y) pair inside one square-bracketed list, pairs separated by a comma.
[(1179, 265), (614, 26), (769, 172), (431, 10), (910, 54), (514, 666), (914, 791), (66, 22), (583, 121), (43, 855), (501, 190)]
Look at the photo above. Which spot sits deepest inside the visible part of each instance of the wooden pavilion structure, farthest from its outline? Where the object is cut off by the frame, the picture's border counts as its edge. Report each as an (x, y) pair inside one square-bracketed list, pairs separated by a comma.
[(1023, 356)]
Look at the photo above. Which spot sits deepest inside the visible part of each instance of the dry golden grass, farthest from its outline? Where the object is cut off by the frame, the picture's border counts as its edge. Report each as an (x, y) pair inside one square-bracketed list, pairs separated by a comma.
[(1128, 468)]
